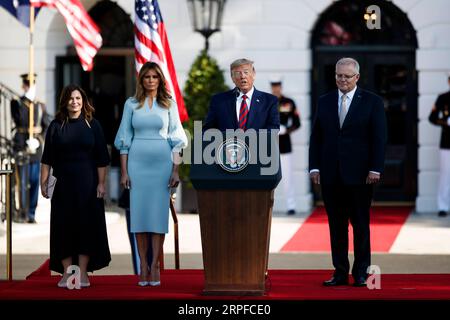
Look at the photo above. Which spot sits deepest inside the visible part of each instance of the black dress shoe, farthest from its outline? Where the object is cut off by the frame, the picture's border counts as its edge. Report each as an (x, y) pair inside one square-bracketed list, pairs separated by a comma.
[(336, 281), (31, 220), (360, 282), (291, 212), (442, 213)]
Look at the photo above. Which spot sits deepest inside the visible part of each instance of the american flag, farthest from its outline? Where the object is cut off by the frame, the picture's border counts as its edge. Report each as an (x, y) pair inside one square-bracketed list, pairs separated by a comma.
[(151, 44), (84, 31), (20, 9)]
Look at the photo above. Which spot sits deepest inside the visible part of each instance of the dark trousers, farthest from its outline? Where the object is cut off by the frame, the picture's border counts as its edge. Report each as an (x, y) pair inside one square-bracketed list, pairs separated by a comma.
[(345, 203), (29, 178), (134, 251)]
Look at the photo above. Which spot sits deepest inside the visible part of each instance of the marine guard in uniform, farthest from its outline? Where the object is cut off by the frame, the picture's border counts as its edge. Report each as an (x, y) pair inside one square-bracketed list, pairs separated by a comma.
[(289, 122), (440, 116), (28, 148)]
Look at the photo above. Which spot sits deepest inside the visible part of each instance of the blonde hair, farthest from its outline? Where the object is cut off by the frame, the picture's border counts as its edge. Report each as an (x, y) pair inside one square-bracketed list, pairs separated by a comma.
[(162, 96), (240, 62)]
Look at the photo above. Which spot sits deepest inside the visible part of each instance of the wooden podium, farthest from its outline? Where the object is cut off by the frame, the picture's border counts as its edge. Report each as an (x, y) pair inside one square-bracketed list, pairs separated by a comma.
[(235, 210)]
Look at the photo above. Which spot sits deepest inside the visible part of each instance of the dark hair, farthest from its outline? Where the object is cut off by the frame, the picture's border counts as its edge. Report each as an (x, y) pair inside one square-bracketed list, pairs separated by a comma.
[(63, 114), (162, 95), (26, 78)]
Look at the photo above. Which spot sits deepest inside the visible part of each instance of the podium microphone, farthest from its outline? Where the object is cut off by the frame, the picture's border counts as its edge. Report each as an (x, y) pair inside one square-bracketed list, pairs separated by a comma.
[(237, 92)]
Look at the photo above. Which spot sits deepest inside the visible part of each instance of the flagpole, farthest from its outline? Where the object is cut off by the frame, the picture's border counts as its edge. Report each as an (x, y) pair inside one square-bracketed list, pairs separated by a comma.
[(31, 74)]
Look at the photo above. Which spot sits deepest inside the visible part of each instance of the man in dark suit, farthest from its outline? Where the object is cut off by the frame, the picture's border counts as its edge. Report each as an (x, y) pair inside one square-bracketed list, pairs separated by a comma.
[(440, 116), (243, 107), (346, 157)]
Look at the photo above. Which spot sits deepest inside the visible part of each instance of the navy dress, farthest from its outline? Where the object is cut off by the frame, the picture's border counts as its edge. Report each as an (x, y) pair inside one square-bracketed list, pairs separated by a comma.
[(75, 150)]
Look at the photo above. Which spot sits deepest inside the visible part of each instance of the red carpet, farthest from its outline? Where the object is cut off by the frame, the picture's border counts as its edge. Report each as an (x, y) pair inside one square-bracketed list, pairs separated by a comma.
[(188, 285), (313, 235)]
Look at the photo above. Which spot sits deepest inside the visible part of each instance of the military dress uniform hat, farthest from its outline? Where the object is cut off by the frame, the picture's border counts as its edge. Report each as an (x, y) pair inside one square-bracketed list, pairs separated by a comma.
[(26, 77), (276, 80)]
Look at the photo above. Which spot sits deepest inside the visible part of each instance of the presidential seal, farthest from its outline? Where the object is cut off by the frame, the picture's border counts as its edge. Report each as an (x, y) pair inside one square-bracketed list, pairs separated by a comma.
[(233, 155)]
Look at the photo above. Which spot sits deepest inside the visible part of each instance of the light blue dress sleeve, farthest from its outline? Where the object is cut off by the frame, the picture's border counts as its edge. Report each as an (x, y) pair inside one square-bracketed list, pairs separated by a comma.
[(125, 134), (176, 136)]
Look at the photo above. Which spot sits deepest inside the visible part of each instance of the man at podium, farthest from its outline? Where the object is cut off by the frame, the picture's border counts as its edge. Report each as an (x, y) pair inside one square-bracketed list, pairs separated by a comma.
[(236, 233), (244, 107)]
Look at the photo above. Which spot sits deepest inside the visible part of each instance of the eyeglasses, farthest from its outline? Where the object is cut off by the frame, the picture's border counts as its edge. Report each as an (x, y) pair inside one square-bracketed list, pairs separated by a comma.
[(344, 76), (239, 73)]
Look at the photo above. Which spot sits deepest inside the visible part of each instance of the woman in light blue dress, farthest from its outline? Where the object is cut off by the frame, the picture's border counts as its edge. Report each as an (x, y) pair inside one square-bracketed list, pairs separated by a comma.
[(150, 139)]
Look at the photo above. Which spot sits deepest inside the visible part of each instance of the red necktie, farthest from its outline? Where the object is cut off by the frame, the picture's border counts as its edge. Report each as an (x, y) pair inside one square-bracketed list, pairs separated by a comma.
[(243, 113)]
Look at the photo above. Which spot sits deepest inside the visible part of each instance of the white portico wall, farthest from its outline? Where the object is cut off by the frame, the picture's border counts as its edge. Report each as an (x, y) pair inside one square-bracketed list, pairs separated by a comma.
[(430, 20)]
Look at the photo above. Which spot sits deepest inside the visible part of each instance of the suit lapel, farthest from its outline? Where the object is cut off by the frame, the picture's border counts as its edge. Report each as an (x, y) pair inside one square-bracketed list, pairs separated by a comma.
[(255, 108), (335, 110), (231, 109), (353, 106)]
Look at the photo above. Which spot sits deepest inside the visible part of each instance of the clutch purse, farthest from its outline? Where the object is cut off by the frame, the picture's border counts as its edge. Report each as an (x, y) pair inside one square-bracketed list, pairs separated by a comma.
[(51, 182), (124, 200)]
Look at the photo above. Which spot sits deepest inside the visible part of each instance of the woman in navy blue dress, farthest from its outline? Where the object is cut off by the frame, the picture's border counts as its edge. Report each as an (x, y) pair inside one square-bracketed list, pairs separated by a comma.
[(150, 138), (75, 149)]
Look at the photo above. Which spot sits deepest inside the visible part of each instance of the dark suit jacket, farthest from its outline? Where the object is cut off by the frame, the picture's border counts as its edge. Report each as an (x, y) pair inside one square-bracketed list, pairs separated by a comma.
[(20, 115), (354, 150), (222, 112), (439, 116), (289, 117)]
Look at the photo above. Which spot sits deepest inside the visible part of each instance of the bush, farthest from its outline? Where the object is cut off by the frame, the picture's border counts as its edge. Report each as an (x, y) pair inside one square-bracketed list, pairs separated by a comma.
[(204, 80)]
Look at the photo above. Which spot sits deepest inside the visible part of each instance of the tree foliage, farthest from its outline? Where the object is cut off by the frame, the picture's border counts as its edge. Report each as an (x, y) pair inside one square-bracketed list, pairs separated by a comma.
[(205, 79)]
